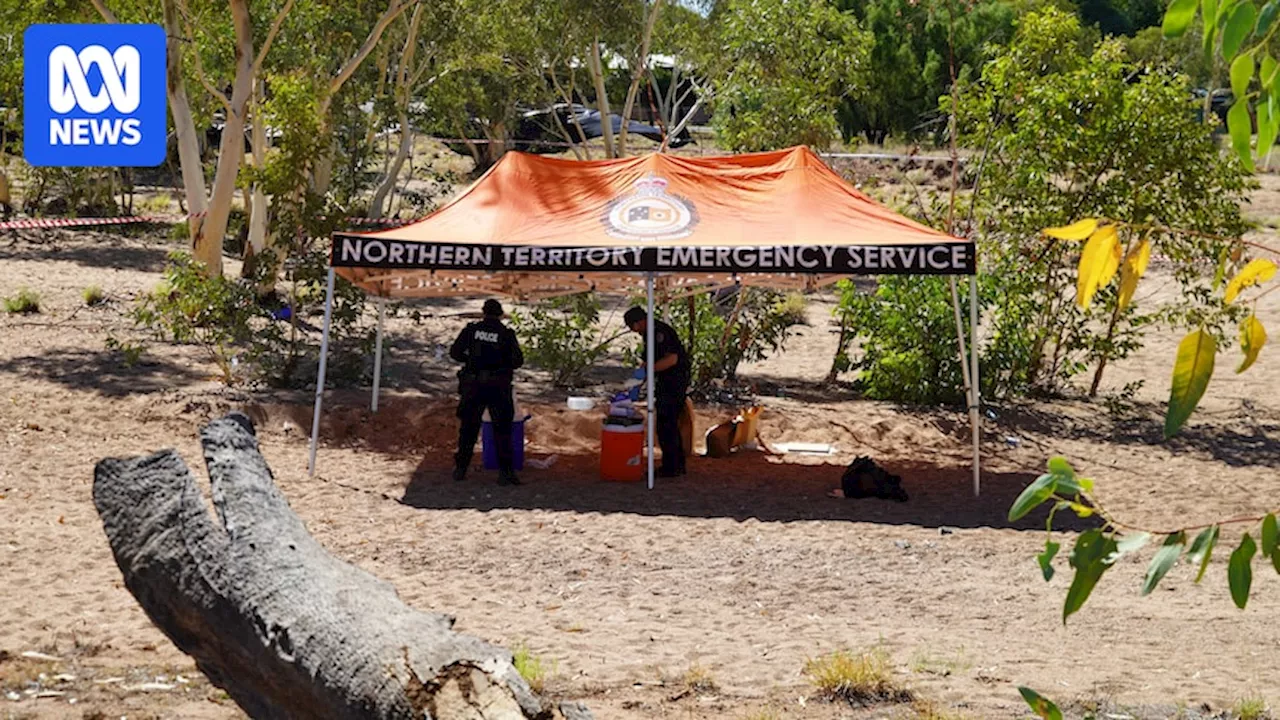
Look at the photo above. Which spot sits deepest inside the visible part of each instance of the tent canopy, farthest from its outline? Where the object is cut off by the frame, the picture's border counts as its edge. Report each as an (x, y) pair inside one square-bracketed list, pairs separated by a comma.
[(535, 226)]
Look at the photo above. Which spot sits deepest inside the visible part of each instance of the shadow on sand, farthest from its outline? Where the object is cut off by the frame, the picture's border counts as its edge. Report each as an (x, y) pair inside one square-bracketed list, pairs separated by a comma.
[(746, 486), (110, 252), (103, 371)]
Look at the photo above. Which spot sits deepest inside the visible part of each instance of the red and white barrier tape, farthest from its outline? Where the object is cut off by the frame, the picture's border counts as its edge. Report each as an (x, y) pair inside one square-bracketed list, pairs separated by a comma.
[(77, 222), (39, 223), (381, 221)]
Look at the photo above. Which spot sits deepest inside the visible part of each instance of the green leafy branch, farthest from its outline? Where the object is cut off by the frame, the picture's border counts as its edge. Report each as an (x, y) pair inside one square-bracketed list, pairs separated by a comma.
[(1228, 26), (1235, 23), (1097, 550), (1104, 256)]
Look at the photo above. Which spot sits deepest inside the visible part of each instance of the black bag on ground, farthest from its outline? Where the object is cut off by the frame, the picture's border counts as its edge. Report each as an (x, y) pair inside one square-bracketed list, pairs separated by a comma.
[(864, 478)]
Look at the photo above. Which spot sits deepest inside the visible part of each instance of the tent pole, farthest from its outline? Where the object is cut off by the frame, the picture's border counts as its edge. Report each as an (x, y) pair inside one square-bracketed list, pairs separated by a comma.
[(324, 357), (964, 356), (650, 407), (975, 409), (377, 358)]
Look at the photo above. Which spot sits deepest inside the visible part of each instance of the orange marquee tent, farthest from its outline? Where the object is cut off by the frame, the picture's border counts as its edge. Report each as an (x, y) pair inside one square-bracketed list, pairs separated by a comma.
[(535, 227)]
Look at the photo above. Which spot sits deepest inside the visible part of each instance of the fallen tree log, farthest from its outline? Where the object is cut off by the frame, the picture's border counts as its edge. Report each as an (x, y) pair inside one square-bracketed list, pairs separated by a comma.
[(285, 628)]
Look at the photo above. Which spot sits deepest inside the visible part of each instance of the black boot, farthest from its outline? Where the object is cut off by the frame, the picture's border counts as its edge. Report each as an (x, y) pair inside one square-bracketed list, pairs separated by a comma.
[(508, 477), (459, 473)]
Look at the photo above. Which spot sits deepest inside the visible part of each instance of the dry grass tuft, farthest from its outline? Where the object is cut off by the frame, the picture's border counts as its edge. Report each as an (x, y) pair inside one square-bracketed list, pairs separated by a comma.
[(856, 677)]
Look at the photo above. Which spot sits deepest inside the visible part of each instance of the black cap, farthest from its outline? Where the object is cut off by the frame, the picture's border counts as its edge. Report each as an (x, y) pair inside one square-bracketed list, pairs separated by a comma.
[(492, 308), (634, 315)]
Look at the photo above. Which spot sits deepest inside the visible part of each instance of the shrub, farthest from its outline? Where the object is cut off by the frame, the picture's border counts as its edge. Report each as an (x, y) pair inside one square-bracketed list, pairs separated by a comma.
[(730, 327), (157, 204), (93, 295), (242, 332), (26, 302), (214, 313), (1062, 135), (563, 335), (908, 332)]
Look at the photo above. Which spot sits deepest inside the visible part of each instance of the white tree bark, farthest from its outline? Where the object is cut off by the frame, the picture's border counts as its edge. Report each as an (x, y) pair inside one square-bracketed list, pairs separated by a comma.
[(577, 143), (639, 67), (189, 160), (383, 192), (602, 100), (285, 628), (208, 248), (405, 73), (259, 203)]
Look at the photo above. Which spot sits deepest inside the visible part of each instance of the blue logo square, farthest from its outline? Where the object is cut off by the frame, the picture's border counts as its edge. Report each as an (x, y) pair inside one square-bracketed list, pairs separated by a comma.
[(94, 95)]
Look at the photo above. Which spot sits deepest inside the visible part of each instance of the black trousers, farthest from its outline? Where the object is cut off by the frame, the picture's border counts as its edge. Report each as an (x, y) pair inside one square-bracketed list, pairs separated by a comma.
[(474, 399), (669, 406)]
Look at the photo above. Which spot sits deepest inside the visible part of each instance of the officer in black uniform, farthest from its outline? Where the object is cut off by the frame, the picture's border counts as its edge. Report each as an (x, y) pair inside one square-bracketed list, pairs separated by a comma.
[(490, 355), (671, 384)]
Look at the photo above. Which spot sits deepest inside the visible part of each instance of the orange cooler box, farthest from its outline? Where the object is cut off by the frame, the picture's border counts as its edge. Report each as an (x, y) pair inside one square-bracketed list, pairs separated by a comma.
[(622, 452)]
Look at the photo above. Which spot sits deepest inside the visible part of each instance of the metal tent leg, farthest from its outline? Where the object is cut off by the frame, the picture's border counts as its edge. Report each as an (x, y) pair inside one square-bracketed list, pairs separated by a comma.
[(324, 361), (377, 358), (650, 407)]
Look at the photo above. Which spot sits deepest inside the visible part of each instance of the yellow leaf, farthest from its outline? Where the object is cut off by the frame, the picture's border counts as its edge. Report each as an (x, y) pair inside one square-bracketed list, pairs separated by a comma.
[(1112, 264), (1135, 265), (1252, 337), (1257, 271), (1098, 264), (1191, 373), (1075, 231)]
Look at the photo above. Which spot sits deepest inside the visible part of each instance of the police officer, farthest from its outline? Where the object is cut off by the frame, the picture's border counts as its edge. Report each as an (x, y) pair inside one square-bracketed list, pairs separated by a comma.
[(671, 383), (490, 355)]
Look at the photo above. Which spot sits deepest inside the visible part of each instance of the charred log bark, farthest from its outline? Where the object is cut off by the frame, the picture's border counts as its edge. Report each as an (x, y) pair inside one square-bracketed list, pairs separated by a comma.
[(285, 628)]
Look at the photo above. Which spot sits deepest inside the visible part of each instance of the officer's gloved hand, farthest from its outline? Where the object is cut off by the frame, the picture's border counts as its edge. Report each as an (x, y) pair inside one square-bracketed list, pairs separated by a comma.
[(637, 379), (635, 384)]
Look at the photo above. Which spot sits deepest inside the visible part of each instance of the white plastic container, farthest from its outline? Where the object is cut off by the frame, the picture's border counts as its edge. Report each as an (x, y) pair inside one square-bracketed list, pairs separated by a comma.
[(581, 403)]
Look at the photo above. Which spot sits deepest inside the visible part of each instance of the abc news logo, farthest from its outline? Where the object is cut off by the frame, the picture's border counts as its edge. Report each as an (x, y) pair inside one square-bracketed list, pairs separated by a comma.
[(94, 95), (69, 89)]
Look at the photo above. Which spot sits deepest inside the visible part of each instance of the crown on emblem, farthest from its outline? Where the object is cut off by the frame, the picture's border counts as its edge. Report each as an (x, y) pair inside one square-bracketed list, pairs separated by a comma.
[(651, 185)]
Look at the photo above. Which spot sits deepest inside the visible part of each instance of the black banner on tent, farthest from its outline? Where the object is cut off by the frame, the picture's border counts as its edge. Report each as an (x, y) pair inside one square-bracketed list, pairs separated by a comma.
[(936, 259)]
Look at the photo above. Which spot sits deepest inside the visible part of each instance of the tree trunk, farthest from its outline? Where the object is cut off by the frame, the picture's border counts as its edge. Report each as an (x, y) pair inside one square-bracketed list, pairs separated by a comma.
[(258, 205), (842, 344), (578, 143), (405, 72), (189, 160), (693, 324), (322, 173), (393, 173), (602, 100), (323, 169), (208, 248), (285, 628), (640, 67)]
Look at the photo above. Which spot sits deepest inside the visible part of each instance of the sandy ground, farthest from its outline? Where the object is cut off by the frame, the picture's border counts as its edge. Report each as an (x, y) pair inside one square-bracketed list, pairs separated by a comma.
[(743, 570)]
